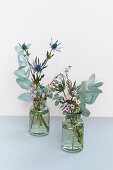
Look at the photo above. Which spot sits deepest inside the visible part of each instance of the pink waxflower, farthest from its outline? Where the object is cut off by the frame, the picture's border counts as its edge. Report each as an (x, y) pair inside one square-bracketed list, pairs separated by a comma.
[(78, 102), (35, 92), (31, 88), (74, 99), (72, 106), (43, 95), (33, 96), (68, 105), (65, 99), (70, 97), (38, 98), (66, 109)]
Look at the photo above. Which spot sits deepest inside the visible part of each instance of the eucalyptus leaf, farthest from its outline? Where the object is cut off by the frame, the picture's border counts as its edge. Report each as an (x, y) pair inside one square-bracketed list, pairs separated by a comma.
[(98, 84), (62, 75), (60, 98), (91, 97), (28, 73), (56, 103), (22, 61), (94, 89), (91, 80), (56, 96), (85, 112), (39, 90), (62, 106), (66, 70), (19, 50), (64, 112), (26, 97), (24, 84), (20, 73), (50, 95)]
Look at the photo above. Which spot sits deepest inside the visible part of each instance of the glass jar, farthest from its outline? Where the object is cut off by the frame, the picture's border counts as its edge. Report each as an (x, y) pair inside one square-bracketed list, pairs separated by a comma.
[(72, 133), (39, 119)]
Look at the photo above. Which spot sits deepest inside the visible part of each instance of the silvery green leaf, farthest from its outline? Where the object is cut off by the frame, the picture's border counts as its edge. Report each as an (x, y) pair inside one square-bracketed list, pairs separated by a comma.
[(22, 61), (20, 73), (50, 95), (82, 93), (27, 57), (42, 87), (21, 67), (94, 90), (85, 112), (66, 70), (82, 88), (26, 97), (91, 97), (28, 73), (39, 90), (19, 50), (98, 84), (60, 98), (45, 90), (62, 75), (82, 100), (91, 80), (62, 106), (64, 112), (56, 103), (56, 96), (24, 84)]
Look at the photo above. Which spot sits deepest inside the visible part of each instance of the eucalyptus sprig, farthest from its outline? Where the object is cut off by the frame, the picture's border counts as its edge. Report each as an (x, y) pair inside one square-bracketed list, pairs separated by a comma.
[(30, 74), (73, 98)]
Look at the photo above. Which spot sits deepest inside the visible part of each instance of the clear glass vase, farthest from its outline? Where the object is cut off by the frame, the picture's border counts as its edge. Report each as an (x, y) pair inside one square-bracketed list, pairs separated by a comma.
[(72, 133), (39, 119)]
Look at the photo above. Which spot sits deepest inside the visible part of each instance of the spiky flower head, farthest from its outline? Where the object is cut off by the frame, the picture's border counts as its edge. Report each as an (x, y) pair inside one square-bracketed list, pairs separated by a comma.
[(55, 46)]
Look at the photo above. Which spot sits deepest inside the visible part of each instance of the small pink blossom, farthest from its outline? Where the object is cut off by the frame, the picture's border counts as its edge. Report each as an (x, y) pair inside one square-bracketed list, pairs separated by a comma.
[(33, 95), (43, 95), (70, 97), (67, 109), (74, 99), (68, 105), (78, 102), (35, 92), (31, 88), (72, 106), (38, 98), (65, 99), (50, 86)]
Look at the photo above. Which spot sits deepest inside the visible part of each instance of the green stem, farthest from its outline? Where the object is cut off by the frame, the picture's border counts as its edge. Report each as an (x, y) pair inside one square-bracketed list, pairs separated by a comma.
[(39, 119), (32, 121), (47, 127), (64, 93), (73, 138)]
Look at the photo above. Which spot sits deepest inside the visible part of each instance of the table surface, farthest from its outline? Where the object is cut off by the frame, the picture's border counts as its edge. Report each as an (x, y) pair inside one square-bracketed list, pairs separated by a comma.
[(21, 151)]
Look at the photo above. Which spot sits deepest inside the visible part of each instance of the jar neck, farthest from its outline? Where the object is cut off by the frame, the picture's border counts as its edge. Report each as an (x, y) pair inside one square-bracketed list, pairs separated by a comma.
[(74, 117), (39, 105)]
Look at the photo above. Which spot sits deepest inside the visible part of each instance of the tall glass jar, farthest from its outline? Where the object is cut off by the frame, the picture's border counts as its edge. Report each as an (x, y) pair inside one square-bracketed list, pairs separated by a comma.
[(39, 119), (72, 133)]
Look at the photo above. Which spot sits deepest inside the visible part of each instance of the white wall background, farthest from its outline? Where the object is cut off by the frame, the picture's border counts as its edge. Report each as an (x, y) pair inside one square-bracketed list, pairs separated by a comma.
[(85, 29)]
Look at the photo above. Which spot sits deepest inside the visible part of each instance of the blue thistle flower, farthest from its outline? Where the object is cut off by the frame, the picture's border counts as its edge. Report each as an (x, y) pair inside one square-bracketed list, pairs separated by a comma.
[(55, 46), (37, 68), (24, 46)]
